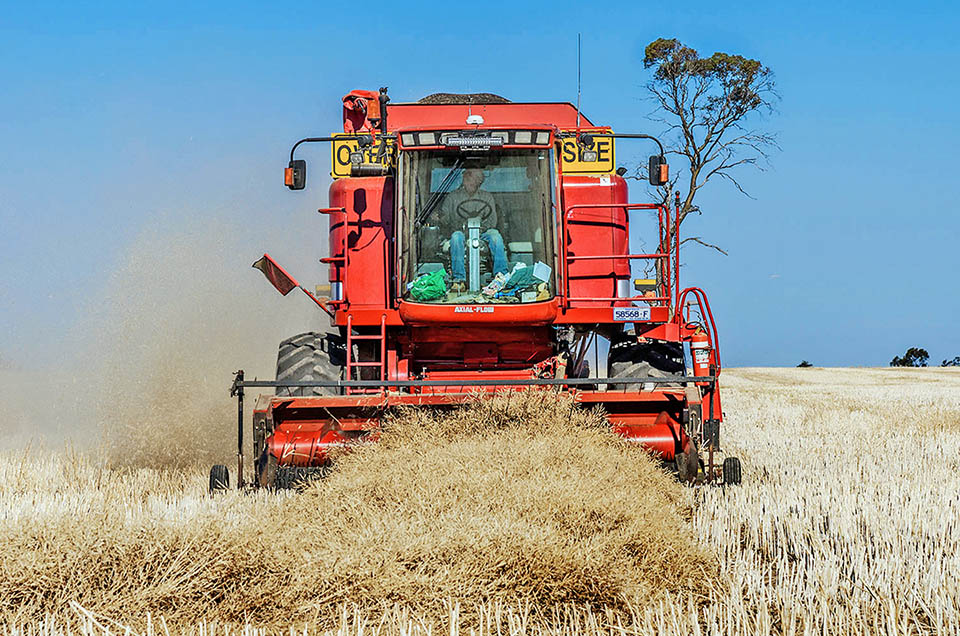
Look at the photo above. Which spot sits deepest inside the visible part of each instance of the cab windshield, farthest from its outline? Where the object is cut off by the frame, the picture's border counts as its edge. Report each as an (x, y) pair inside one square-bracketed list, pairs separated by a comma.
[(477, 228)]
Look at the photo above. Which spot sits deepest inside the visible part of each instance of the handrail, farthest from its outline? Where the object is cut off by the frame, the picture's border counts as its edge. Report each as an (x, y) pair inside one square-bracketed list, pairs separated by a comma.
[(346, 253), (594, 257), (386, 384), (566, 257), (704, 304)]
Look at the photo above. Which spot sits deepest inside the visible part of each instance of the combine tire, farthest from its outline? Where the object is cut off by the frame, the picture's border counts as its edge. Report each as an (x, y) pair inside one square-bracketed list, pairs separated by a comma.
[(219, 479), (266, 466), (731, 471), (688, 464), (310, 357), (299, 477), (653, 359), (275, 477)]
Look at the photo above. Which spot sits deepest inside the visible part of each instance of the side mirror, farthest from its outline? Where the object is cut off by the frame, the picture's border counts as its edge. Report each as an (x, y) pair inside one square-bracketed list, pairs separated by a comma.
[(295, 176), (659, 170)]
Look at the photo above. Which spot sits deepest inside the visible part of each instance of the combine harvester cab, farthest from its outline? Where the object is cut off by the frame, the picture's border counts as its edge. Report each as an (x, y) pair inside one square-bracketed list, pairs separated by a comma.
[(483, 245)]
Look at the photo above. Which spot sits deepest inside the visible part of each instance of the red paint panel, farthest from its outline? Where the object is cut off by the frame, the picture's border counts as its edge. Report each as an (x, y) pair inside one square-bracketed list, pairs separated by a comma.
[(306, 448), (562, 115), (306, 428), (660, 433), (531, 314), (365, 230), (309, 442), (588, 315), (369, 317)]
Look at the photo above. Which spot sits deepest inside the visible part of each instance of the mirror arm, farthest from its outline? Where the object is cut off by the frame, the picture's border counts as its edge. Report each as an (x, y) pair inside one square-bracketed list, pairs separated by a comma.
[(620, 136), (306, 140), (310, 140), (638, 136)]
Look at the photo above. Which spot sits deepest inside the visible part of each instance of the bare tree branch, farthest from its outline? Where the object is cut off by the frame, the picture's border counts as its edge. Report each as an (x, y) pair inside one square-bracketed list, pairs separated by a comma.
[(697, 239), (704, 105)]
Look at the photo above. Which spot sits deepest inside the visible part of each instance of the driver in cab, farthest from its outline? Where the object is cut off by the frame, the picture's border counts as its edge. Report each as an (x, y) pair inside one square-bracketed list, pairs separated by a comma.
[(466, 202)]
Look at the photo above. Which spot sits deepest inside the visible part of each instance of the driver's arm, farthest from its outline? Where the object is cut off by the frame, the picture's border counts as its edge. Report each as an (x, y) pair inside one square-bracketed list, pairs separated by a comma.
[(496, 221), (444, 219)]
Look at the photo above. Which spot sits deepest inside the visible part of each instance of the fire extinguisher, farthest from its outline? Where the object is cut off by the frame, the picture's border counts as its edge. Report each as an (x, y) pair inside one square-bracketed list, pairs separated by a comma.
[(701, 351)]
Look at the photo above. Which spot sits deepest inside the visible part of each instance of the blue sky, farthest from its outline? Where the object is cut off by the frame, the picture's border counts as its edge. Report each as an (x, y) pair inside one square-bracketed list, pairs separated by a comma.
[(114, 116)]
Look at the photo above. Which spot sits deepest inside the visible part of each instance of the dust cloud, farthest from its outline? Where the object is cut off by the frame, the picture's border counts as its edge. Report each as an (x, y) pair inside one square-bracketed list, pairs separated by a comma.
[(145, 376)]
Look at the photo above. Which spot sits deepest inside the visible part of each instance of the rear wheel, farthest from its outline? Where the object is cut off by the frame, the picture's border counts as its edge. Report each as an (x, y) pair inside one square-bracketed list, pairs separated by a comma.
[(688, 463), (299, 477), (267, 470), (310, 357), (731, 471), (219, 479)]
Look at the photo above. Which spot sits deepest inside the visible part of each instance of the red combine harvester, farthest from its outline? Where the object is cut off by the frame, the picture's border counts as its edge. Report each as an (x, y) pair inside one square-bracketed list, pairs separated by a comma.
[(482, 245)]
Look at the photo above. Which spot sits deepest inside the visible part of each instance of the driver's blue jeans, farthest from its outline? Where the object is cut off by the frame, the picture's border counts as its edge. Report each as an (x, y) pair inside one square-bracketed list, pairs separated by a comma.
[(493, 240)]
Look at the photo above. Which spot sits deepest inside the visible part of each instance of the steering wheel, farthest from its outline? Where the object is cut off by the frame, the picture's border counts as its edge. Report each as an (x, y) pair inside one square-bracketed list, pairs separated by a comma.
[(474, 207)]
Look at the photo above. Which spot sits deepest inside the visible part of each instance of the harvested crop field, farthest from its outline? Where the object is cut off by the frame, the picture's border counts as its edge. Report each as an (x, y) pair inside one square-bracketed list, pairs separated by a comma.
[(524, 516)]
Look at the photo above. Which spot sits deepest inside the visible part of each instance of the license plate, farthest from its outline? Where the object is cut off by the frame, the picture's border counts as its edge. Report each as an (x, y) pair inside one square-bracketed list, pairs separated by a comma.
[(631, 314)]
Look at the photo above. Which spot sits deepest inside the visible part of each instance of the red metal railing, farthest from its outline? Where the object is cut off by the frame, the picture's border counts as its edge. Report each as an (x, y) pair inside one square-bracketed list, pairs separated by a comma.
[(706, 315), (670, 271)]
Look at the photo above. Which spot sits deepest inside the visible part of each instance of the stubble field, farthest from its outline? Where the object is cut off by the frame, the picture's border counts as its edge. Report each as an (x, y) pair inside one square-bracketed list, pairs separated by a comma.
[(523, 516)]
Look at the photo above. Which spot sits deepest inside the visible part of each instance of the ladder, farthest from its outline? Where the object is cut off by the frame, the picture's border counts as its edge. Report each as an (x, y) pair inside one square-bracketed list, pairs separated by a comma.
[(380, 364)]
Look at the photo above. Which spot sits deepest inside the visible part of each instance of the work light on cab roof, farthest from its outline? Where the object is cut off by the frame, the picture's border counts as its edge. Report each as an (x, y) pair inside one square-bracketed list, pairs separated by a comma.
[(476, 244)]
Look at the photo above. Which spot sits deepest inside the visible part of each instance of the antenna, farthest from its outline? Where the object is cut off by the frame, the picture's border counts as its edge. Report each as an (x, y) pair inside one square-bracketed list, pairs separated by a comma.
[(578, 80)]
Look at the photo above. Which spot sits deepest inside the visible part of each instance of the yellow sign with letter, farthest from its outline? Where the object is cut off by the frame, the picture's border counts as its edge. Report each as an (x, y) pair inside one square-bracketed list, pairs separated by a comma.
[(341, 149), (571, 156)]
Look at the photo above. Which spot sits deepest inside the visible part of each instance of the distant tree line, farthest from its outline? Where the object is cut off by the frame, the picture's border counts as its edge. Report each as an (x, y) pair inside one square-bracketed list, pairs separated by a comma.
[(917, 357), (914, 357)]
